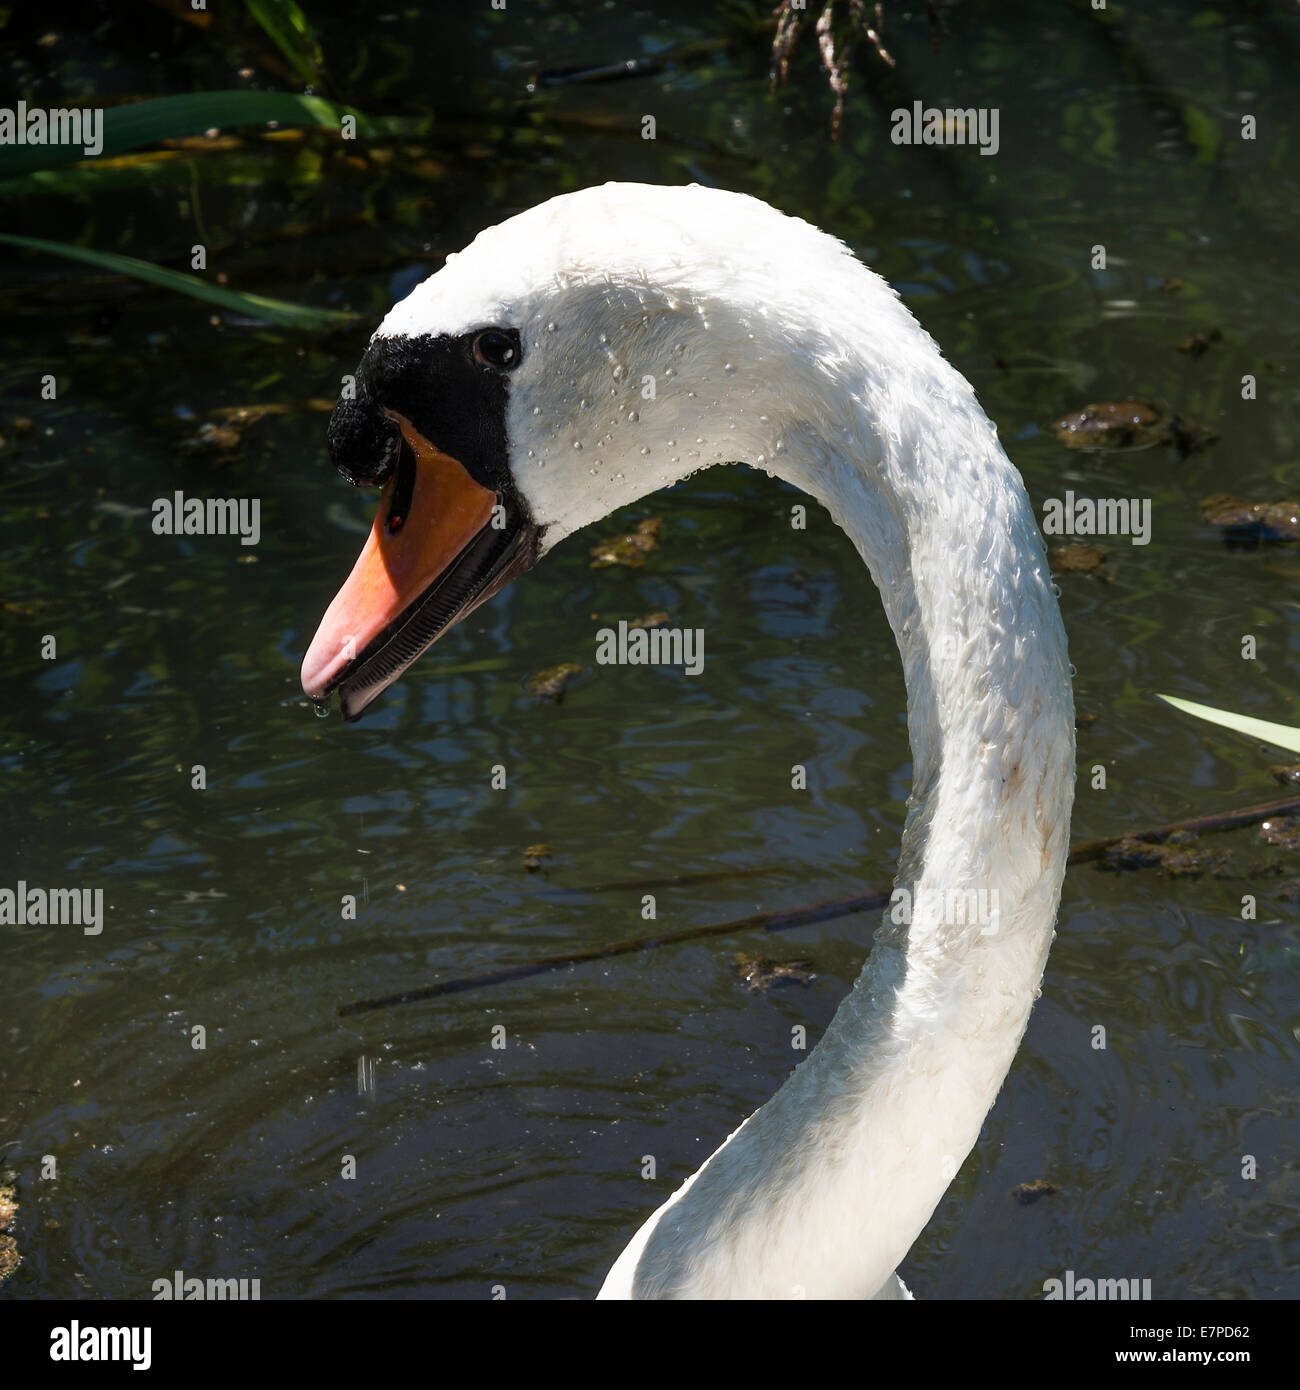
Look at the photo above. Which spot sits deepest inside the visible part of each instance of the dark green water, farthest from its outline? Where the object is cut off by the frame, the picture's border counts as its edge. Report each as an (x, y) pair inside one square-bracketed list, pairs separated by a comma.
[(521, 1167)]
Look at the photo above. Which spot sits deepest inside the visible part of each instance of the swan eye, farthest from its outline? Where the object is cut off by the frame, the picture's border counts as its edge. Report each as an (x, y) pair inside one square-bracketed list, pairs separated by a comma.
[(497, 348)]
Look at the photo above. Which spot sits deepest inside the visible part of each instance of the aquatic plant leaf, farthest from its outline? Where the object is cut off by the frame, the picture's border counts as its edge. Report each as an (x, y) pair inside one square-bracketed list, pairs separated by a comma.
[(1279, 735), (174, 118), (290, 31), (277, 311)]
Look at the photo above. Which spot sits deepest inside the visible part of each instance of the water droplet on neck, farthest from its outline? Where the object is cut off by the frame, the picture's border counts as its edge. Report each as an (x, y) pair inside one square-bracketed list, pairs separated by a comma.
[(633, 416)]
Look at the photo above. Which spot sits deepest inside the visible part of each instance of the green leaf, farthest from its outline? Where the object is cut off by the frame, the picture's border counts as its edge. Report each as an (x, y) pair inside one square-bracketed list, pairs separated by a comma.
[(277, 311), (1279, 735), (173, 118), (291, 32)]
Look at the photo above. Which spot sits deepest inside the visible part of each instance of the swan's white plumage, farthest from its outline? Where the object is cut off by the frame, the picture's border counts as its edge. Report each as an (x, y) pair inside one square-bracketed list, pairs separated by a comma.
[(767, 343)]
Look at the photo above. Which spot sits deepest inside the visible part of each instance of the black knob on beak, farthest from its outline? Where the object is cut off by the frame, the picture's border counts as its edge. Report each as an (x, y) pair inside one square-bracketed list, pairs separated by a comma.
[(363, 442)]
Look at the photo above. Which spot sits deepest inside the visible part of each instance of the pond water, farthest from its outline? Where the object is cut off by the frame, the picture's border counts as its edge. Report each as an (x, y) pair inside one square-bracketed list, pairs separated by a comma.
[(521, 1167)]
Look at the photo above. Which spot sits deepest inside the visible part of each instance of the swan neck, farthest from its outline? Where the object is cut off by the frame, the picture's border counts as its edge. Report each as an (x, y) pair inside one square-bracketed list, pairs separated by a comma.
[(823, 1190)]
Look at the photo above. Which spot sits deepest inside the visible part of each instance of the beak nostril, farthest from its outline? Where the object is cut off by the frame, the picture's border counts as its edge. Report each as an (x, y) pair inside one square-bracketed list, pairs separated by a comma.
[(399, 507)]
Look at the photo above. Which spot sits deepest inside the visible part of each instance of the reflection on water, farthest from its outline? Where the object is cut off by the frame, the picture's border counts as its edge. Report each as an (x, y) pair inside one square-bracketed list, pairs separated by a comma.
[(478, 1165)]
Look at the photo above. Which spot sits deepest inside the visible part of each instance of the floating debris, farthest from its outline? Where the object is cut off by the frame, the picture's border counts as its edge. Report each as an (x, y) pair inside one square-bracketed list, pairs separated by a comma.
[(241, 416), (1196, 345), (759, 974), (1080, 559), (223, 431), (1179, 857), (535, 857), (1252, 521), (1288, 774), (10, 1259), (552, 683), (214, 439), (1171, 285), (1085, 721), (1187, 437), (1282, 832), (629, 549), (1112, 425), (1027, 1193), (1132, 425)]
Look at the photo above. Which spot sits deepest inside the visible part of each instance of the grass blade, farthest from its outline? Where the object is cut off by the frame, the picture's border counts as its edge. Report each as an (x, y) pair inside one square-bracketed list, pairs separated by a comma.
[(277, 311), (291, 32), (1279, 735)]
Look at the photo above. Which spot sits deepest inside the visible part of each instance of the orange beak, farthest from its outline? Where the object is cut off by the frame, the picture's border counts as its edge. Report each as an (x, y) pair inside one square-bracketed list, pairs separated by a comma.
[(441, 544)]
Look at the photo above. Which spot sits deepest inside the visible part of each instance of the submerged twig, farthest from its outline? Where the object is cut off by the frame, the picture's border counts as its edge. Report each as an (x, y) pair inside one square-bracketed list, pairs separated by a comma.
[(1223, 820), (677, 880), (781, 919), (784, 919)]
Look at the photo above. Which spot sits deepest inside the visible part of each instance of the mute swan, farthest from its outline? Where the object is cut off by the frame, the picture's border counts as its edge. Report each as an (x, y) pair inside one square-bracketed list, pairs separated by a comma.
[(606, 344)]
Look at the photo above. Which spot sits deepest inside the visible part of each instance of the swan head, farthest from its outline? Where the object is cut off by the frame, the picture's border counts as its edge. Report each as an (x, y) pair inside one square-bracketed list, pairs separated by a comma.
[(571, 360)]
